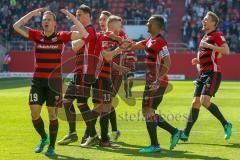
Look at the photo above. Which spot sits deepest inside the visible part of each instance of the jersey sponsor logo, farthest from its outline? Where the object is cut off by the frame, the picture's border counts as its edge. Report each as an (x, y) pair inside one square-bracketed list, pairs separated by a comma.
[(47, 46)]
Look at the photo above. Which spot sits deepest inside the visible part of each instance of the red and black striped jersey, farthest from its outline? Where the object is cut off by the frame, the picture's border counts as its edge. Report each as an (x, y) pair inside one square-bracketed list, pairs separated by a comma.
[(119, 59), (85, 57), (155, 50), (208, 57), (104, 43), (48, 53), (130, 59)]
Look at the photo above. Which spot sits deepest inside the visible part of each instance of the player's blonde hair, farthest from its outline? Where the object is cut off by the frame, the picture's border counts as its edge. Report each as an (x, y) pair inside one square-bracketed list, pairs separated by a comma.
[(214, 17), (106, 13), (113, 18)]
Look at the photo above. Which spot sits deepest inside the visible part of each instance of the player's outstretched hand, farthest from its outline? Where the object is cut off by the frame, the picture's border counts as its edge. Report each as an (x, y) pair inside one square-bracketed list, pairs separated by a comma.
[(67, 13), (126, 44), (38, 12), (195, 61)]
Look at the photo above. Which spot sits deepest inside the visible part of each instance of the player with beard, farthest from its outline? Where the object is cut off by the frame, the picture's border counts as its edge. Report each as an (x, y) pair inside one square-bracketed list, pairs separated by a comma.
[(157, 64)]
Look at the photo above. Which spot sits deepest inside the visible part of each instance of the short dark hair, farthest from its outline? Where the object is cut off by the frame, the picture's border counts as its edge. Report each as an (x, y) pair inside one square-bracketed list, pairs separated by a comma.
[(106, 13), (159, 20), (214, 17), (50, 13), (85, 9)]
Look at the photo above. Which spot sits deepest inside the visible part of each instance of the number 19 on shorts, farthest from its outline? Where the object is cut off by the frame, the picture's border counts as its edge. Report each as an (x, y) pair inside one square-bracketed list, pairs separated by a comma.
[(33, 97)]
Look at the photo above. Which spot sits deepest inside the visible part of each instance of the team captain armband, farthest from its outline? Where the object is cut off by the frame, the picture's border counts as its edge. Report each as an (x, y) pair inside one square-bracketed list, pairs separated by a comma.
[(164, 52)]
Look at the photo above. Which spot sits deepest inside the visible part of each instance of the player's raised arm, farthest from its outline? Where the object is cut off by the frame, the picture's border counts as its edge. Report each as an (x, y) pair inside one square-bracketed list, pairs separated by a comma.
[(138, 46), (109, 55), (223, 49), (76, 44), (81, 31), (19, 25)]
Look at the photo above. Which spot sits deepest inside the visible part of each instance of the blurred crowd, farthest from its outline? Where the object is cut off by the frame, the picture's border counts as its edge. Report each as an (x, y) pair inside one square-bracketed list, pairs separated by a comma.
[(135, 12), (12, 10), (228, 12), (138, 11)]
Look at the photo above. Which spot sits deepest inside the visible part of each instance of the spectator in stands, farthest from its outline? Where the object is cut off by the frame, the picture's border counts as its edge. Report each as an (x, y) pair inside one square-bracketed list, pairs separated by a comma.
[(6, 62), (191, 44), (11, 10), (138, 11)]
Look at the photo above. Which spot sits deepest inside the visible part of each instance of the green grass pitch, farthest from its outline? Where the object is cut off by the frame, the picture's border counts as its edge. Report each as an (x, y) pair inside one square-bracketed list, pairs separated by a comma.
[(18, 138)]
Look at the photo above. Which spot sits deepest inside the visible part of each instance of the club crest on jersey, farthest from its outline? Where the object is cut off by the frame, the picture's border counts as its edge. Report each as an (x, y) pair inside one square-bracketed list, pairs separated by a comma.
[(54, 39), (149, 44), (206, 38), (223, 39), (152, 41), (104, 44), (107, 45)]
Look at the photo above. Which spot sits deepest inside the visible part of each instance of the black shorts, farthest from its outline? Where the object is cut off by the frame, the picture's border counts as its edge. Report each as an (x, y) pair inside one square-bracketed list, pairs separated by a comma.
[(42, 91), (207, 84), (152, 98), (102, 91), (79, 88), (116, 82), (127, 75)]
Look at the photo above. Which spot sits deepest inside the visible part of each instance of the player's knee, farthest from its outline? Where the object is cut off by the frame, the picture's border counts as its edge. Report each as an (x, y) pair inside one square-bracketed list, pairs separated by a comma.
[(205, 101), (35, 111), (147, 112), (107, 108), (52, 114), (97, 107), (196, 103), (35, 115)]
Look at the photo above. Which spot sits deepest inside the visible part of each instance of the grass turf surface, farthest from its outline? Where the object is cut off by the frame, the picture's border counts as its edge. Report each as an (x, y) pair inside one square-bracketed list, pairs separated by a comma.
[(18, 137)]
